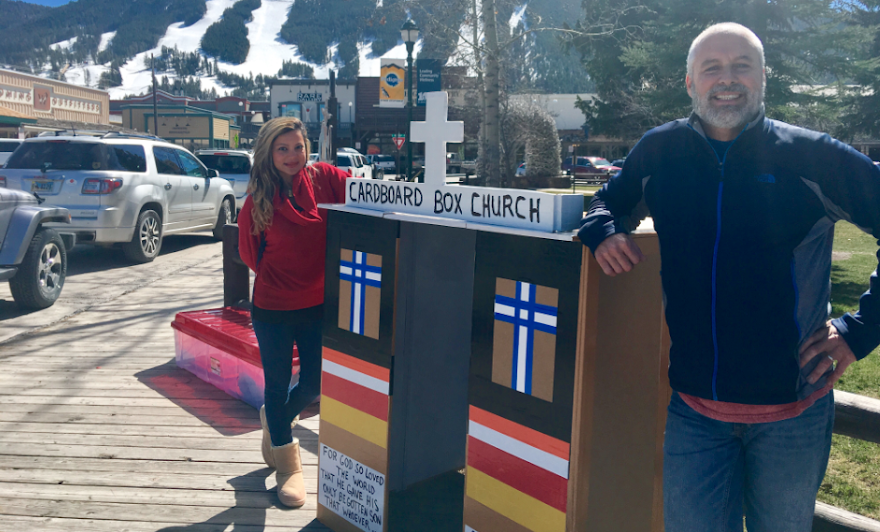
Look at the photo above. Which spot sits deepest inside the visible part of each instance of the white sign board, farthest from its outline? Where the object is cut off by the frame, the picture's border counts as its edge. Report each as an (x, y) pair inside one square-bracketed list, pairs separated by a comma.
[(351, 490), (508, 207)]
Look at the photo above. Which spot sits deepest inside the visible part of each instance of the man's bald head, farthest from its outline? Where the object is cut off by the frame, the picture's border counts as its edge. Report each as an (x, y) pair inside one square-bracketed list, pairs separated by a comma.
[(725, 28)]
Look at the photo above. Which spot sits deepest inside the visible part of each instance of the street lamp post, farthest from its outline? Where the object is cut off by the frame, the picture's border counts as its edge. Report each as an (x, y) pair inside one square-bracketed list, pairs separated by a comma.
[(350, 124), (410, 33)]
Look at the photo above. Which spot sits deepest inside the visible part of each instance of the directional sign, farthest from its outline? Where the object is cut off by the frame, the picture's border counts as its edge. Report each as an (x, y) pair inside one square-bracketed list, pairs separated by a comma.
[(399, 140)]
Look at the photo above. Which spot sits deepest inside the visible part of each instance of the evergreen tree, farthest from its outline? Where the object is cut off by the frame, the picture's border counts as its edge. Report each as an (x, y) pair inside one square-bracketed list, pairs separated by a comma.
[(636, 55), (110, 78), (292, 69), (227, 39), (863, 98)]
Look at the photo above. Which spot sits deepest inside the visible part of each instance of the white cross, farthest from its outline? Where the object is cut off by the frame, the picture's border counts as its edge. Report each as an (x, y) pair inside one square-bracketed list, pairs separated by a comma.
[(435, 132)]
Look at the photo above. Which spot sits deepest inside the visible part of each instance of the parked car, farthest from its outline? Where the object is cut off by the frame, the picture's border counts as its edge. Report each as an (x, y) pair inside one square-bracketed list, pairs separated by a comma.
[(594, 169), (378, 173), (354, 163), (130, 190), (7, 146), (385, 163), (234, 166), (456, 165), (313, 158), (618, 162), (33, 257)]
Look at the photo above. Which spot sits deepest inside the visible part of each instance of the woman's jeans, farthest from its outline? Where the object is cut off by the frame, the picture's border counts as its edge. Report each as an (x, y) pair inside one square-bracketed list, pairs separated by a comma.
[(715, 472), (276, 353)]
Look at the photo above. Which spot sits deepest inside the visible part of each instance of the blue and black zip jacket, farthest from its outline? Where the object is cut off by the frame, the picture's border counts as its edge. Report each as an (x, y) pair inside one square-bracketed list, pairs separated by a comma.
[(745, 239)]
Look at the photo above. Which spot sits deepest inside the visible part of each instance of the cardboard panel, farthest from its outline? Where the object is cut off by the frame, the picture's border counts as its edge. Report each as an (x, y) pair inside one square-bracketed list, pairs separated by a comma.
[(621, 399), (432, 340), (533, 270), (370, 236)]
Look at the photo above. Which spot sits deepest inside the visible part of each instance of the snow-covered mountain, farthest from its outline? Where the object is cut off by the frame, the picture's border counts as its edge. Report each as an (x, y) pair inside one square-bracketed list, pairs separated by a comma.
[(267, 51)]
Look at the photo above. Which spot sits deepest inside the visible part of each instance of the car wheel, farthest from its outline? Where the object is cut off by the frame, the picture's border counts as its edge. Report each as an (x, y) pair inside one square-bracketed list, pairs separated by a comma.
[(224, 217), (147, 239), (41, 275)]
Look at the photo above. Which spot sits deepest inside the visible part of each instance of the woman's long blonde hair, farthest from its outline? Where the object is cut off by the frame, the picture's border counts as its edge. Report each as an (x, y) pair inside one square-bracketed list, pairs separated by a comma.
[(264, 177)]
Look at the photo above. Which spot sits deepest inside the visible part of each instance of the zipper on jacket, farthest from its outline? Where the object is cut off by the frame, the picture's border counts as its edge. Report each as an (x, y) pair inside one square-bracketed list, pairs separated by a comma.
[(721, 162), (715, 282)]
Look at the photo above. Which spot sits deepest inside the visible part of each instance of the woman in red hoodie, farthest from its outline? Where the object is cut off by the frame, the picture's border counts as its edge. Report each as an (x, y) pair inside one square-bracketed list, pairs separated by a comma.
[(282, 238)]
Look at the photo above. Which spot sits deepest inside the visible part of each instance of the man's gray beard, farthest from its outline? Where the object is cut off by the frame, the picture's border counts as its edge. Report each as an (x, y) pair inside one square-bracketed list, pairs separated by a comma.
[(728, 117)]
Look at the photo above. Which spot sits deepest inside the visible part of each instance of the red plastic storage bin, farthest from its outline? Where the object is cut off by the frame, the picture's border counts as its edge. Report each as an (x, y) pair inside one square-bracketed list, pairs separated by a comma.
[(219, 347)]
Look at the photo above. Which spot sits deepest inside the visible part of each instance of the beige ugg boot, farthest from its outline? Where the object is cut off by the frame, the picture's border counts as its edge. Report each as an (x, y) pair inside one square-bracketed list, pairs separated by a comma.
[(288, 474), (266, 447)]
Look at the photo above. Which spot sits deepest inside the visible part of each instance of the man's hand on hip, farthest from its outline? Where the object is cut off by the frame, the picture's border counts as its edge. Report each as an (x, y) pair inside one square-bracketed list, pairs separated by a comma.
[(618, 254), (828, 344)]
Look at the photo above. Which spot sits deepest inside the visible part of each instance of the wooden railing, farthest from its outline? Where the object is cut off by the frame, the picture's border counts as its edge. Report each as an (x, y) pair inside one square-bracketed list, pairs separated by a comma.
[(858, 417), (236, 274)]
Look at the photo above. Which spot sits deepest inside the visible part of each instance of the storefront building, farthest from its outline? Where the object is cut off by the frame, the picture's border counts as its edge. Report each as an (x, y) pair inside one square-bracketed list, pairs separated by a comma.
[(306, 99), (188, 126), (30, 105)]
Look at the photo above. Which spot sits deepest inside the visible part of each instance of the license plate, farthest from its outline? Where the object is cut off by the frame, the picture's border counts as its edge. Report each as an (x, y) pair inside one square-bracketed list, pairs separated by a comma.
[(42, 186)]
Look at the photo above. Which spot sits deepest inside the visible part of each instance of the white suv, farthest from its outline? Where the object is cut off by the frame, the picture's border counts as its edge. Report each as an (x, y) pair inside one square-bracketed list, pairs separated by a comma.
[(354, 163), (234, 166), (122, 189)]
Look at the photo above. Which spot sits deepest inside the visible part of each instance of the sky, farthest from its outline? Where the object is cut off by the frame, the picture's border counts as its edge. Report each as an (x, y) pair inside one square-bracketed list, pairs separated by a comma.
[(50, 3)]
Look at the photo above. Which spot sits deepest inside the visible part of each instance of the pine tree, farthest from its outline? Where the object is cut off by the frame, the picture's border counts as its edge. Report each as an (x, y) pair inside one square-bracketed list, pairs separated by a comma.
[(863, 100)]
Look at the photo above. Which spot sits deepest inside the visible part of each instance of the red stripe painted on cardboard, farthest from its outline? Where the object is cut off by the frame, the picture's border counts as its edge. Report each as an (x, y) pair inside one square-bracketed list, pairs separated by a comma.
[(357, 364), (516, 431), (354, 395), (534, 481)]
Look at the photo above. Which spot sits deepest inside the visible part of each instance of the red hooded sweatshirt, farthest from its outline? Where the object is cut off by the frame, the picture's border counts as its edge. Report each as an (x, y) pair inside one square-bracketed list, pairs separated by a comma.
[(290, 275)]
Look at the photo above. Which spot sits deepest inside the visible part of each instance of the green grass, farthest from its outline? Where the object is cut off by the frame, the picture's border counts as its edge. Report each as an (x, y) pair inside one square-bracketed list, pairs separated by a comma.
[(853, 478)]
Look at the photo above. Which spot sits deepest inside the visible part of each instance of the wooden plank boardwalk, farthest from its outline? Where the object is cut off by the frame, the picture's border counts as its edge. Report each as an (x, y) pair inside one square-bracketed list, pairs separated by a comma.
[(100, 431)]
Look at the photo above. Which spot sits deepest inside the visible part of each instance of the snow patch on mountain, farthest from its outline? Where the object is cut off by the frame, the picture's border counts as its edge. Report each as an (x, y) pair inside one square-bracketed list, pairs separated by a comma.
[(63, 45), (517, 17), (105, 40)]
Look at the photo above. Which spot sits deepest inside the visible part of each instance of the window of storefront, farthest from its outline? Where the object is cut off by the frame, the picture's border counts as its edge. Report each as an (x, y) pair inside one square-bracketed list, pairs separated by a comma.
[(293, 109)]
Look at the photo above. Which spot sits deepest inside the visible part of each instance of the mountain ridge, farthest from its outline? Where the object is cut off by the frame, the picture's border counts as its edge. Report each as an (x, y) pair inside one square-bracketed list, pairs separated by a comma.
[(108, 42)]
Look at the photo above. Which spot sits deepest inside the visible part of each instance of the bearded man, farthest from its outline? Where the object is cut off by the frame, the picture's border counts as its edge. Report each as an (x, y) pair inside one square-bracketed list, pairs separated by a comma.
[(744, 208)]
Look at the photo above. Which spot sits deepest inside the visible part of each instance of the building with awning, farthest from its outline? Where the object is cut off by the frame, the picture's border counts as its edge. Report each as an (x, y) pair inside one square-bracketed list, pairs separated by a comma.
[(14, 118), (186, 125), (30, 105)]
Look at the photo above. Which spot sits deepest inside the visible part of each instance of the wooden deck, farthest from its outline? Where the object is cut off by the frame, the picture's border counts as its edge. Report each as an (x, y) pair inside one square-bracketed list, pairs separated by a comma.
[(100, 431)]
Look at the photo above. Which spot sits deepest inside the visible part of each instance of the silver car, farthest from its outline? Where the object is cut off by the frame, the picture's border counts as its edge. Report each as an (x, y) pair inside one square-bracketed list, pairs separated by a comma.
[(234, 166), (7, 146), (130, 190)]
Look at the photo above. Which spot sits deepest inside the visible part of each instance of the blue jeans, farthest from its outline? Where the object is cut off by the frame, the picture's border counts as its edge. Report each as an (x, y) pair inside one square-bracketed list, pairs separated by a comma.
[(714, 472), (276, 353)]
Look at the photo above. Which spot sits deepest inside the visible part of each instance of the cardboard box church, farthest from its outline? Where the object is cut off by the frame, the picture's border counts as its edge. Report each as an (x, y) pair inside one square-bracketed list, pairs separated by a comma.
[(468, 331)]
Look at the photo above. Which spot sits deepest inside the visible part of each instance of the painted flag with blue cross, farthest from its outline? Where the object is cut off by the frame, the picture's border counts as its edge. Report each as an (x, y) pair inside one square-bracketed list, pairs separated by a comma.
[(360, 291), (524, 341)]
